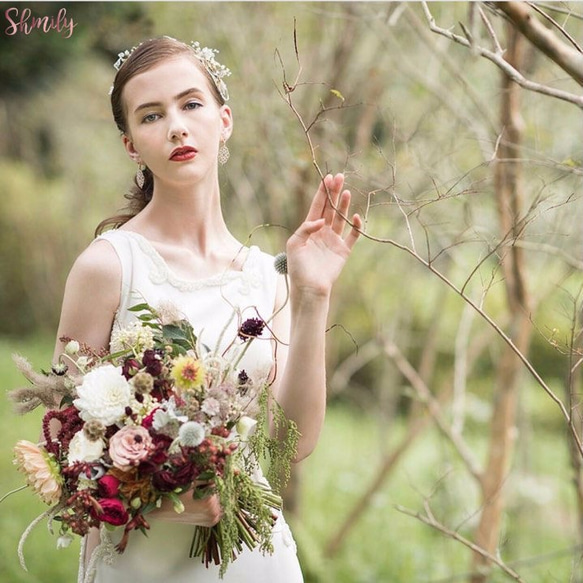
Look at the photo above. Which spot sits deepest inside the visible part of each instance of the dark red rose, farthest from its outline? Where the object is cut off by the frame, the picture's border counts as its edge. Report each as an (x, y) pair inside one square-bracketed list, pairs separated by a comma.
[(164, 481), (183, 472), (130, 367), (112, 512), (108, 486)]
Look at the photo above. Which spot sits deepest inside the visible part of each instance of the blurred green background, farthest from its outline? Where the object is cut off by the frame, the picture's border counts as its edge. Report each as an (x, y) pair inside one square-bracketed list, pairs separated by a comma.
[(412, 120)]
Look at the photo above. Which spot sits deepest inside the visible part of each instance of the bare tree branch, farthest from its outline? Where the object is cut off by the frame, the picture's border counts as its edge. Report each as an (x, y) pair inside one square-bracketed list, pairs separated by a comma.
[(499, 61), (566, 57)]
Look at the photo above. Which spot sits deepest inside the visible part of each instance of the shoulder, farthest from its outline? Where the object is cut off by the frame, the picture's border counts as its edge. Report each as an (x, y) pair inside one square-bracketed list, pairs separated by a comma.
[(92, 295), (97, 263), (98, 259)]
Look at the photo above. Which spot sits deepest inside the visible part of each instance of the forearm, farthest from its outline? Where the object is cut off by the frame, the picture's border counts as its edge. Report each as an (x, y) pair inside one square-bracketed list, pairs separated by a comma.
[(302, 388)]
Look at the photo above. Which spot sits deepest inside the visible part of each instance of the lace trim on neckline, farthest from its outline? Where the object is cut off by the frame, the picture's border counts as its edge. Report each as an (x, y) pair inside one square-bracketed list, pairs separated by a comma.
[(162, 273)]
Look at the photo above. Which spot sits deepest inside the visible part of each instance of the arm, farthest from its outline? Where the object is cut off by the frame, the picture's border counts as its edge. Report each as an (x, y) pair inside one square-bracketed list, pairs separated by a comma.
[(316, 254)]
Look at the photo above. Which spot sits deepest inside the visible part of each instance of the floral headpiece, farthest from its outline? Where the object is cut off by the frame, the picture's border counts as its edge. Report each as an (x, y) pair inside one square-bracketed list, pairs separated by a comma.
[(205, 55)]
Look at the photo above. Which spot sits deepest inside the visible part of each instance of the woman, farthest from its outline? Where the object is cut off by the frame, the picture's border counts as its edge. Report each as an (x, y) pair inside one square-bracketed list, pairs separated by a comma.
[(168, 100)]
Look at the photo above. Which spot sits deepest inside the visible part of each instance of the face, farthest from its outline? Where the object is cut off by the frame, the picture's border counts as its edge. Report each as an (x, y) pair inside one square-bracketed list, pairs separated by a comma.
[(175, 126)]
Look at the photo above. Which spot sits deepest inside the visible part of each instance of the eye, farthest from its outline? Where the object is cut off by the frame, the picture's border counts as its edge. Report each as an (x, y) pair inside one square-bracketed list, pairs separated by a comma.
[(150, 117), (192, 105)]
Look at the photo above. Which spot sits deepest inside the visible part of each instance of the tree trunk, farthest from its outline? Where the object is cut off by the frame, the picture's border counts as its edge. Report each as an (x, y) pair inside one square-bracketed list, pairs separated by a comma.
[(508, 192)]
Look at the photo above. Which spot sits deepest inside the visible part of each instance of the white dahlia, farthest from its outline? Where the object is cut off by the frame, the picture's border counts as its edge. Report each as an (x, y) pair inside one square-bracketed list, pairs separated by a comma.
[(103, 395)]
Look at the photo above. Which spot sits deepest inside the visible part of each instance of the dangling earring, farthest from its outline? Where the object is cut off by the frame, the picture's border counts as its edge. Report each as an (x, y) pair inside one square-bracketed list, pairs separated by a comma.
[(140, 178), (223, 153)]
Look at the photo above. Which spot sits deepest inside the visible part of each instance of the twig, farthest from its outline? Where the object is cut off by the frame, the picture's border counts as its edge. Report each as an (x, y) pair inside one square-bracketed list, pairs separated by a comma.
[(430, 520), (491, 31), (556, 25), (425, 396), (566, 11)]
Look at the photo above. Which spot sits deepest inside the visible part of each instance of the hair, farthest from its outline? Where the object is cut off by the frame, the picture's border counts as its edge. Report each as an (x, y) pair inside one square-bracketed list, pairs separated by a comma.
[(146, 56)]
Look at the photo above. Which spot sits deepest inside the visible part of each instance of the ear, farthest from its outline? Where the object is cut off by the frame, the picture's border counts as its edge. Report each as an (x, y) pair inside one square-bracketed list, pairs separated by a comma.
[(130, 149), (226, 122)]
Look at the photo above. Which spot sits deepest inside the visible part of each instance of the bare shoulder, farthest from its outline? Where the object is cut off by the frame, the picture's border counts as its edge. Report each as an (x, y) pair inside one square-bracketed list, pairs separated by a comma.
[(92, 295), (98, 263)]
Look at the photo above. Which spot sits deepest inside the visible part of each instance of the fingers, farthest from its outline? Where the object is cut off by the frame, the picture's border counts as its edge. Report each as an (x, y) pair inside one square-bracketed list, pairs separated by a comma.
[(320, 203), (330, 207), (342, 207), (354, 232), (332, 196)]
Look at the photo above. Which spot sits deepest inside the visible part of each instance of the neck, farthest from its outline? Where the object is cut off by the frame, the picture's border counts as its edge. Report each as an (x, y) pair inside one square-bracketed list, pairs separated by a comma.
[(189, 216)]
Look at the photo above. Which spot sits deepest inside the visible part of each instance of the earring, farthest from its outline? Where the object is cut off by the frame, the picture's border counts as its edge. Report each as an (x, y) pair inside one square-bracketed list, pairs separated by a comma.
[(223, 154), (140, 178)]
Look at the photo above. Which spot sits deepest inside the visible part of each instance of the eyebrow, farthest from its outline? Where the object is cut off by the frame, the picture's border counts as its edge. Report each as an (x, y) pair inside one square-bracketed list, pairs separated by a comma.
[(190, 91)]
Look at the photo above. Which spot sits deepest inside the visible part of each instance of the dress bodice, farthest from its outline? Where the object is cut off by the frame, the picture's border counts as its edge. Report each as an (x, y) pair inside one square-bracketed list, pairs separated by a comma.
[(215, 306)]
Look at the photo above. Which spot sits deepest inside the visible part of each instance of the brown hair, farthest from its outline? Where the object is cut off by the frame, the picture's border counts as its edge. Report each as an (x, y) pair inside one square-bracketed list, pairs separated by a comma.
[(147, 55)]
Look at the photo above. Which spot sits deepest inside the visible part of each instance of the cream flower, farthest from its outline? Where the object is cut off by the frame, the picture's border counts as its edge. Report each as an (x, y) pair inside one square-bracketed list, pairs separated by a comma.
[(41, 470), (134, 336), (103, 395), (245, 425), (83, 449)]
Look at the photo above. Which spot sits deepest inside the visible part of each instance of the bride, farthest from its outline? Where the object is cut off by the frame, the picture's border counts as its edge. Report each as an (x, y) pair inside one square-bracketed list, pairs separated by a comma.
[(173, 245)]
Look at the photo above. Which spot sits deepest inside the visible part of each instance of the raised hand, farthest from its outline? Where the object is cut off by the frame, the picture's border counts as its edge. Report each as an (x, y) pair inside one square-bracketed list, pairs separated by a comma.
[(317, 251)]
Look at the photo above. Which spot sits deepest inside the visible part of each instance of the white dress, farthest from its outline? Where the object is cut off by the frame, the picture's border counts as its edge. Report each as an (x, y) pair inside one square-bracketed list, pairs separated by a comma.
[(163, 555)]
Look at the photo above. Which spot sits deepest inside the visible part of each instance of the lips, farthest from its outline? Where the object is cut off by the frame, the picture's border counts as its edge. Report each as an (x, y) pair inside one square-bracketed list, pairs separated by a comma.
[(183, 153)]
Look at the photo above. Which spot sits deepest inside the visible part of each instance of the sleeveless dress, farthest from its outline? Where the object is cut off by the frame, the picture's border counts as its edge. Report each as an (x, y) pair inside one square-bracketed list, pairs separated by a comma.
[(163, 555)]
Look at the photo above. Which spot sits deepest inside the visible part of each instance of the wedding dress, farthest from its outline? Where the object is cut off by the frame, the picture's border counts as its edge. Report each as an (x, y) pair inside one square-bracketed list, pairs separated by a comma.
[(163, 555)]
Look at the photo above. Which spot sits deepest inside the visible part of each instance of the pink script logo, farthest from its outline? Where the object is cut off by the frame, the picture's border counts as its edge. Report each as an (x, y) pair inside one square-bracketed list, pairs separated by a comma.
[(25, 23)]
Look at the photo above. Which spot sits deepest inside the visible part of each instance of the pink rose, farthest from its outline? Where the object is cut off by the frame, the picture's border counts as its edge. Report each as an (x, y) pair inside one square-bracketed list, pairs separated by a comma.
[(112, 512), (129, 446)]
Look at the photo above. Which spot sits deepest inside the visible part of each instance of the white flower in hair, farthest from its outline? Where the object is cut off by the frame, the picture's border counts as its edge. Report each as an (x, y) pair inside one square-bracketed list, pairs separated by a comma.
[(205, 55)]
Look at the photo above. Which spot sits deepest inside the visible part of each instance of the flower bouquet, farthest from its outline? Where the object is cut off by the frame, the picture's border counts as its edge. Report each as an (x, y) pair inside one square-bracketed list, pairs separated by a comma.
[(158, 416)]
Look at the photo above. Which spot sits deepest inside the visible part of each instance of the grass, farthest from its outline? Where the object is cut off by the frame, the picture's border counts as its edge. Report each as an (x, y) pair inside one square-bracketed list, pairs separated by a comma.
[(385, 545)]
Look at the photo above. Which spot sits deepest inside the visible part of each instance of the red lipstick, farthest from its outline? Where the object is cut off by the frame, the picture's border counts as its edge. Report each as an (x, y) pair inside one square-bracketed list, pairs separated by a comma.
[(183, 153)]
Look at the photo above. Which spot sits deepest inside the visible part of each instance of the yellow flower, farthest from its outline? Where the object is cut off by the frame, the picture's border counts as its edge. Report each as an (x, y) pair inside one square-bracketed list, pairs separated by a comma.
[(41, 470), (187, 372)]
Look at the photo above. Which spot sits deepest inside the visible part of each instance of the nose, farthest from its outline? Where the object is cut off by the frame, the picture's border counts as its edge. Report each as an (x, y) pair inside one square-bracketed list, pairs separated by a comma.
[(176, 128)]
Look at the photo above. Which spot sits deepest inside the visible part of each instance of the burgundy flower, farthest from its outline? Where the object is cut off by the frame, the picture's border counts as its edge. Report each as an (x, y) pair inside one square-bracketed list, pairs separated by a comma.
[(112, 512), (158, 455), (152, 360), (251, 328), (183, 472), (108, 486), (130, 367), (149, 419)]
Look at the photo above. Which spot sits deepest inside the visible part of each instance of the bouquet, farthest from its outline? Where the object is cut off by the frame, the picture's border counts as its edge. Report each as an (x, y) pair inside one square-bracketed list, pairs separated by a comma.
[(158, 416)]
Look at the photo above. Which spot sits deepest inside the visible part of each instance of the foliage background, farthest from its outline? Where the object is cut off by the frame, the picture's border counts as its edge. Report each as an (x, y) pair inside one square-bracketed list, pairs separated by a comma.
[(413, 119)]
